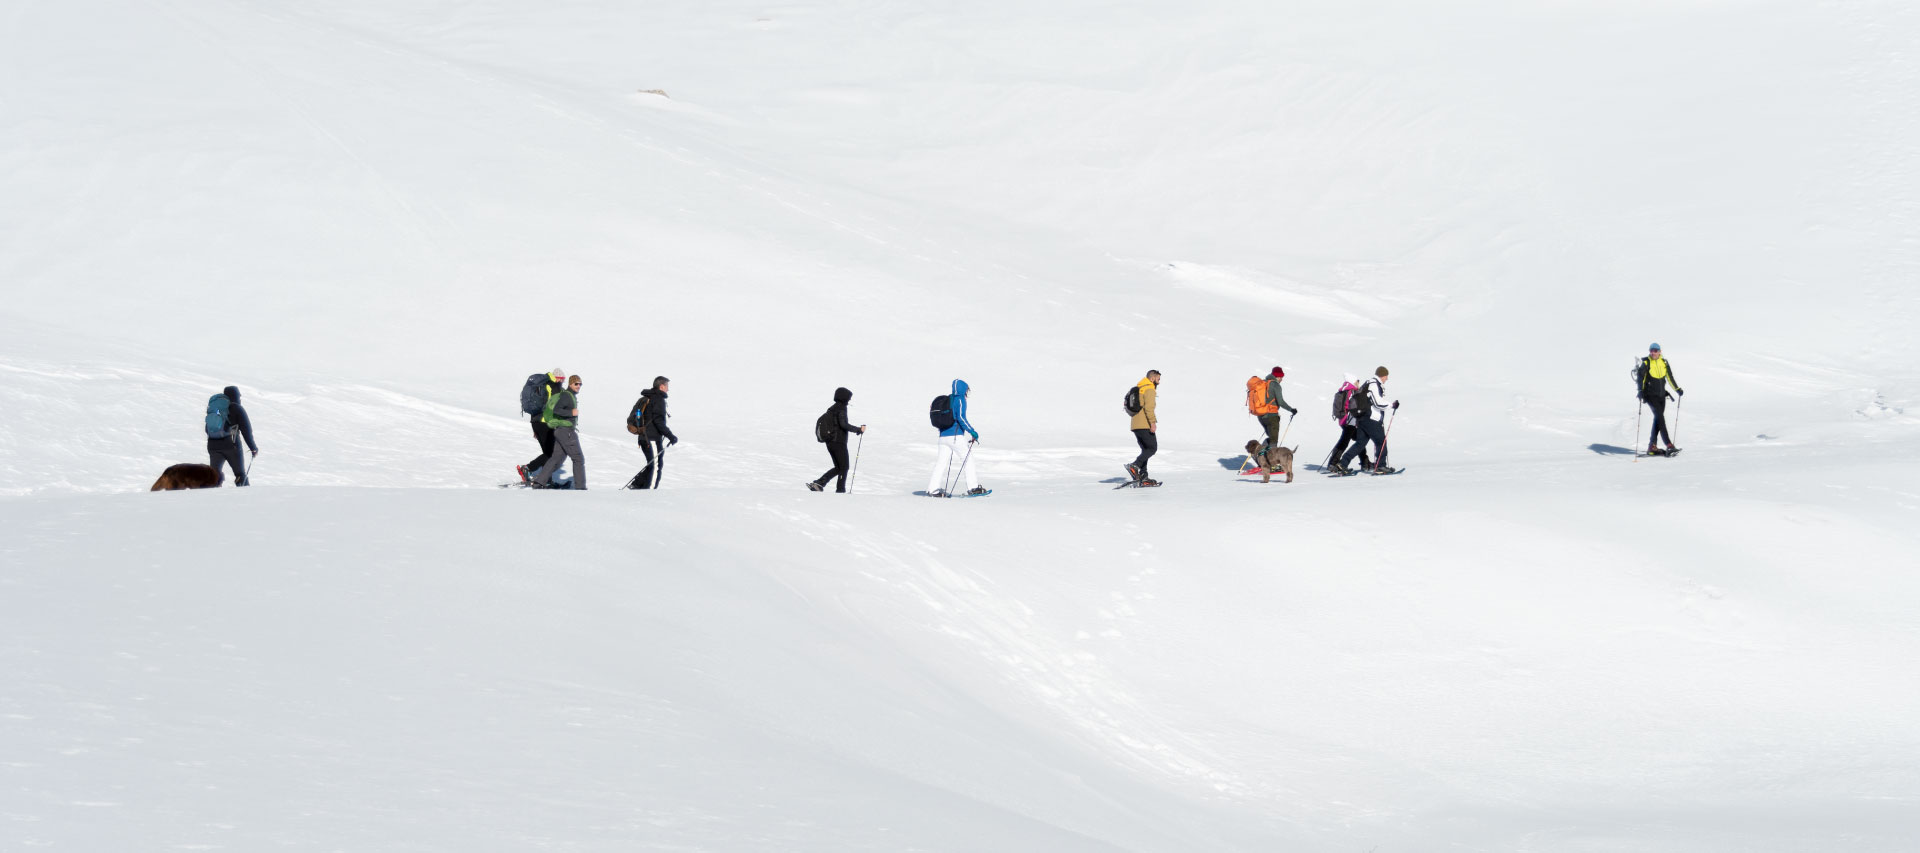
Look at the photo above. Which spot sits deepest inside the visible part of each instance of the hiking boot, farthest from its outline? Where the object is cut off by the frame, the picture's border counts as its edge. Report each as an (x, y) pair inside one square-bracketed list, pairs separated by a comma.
[(1134, 472), (1149, 483), (1381, 470), (937, 493), (977, 490), (815, 487), (524, 479)]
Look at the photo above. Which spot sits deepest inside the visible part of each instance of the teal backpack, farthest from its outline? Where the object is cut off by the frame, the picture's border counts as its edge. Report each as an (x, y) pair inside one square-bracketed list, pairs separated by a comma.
[(217, 424)]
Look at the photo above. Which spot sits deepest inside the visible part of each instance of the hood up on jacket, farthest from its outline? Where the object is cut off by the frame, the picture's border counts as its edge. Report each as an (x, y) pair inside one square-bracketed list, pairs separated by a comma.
[(842, 396), (959, 388), (232, 392)]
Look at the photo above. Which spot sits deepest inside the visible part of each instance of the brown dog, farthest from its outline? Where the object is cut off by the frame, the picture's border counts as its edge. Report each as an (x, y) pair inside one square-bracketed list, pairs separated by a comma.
[(1279, 460), (187, 475)]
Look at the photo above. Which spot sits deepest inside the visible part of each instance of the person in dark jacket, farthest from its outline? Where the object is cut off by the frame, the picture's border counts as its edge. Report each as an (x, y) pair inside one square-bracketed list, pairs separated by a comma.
[(542, 432), (654, 430), (563, 413), (837, 446), (226, 448), (1348, 421)]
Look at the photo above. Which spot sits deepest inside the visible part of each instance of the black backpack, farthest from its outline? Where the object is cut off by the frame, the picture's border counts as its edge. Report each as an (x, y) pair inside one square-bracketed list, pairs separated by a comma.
[(634, 417), (533, 395), (941, 412), (827, 428), (1361, 403), (1131, 402)]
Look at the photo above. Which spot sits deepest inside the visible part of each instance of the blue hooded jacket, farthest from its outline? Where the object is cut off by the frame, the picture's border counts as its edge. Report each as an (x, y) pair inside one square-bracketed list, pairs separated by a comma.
[(957, 399)]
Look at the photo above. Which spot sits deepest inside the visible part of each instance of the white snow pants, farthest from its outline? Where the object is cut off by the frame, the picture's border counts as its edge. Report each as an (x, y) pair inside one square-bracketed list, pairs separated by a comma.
[(953, 451)]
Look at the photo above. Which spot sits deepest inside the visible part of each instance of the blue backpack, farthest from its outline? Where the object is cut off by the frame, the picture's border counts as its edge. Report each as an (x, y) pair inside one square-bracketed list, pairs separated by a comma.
[(941, 412), (217, 424)]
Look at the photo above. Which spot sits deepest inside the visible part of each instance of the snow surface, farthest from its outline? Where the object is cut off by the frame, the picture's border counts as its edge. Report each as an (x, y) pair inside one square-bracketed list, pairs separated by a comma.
[(377, 218)]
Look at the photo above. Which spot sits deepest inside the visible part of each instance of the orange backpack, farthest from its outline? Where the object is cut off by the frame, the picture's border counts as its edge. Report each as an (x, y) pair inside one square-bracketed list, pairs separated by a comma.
[(1257, 400)]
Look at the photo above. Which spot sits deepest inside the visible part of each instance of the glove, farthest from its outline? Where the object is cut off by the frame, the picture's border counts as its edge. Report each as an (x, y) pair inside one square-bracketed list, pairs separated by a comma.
[(1681, 391), (673, 440), (975, 438), (256, 452), (1396, 405)]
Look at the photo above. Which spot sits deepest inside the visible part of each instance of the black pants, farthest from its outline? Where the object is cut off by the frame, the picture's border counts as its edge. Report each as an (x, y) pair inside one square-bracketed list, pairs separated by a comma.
[(1659, 407), (1349, 433), (649, 477), (1149, 445), (837, 450), (1369, 431), (543, 434), (226, 450)]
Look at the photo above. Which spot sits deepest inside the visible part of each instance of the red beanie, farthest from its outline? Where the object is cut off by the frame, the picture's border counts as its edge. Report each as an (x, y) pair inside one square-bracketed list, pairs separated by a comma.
[(1279, 374)]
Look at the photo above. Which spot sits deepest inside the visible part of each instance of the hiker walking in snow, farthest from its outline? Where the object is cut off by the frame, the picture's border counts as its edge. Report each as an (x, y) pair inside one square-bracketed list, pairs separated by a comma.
[(1344, 403), (562, 412), (832, 429), (1145, 425), (534, 396), (949, 415), (1371, 409), (650, 417), (1653, 376), (1264, 401), (227, 423)]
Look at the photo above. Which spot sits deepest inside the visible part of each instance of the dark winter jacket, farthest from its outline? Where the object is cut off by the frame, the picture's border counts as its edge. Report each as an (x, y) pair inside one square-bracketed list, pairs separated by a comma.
[(841, 397), (238, 424), (653, 420)]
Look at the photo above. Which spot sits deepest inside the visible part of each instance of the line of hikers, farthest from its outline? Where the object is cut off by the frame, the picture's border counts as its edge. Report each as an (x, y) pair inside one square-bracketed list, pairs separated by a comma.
[(552, 402)]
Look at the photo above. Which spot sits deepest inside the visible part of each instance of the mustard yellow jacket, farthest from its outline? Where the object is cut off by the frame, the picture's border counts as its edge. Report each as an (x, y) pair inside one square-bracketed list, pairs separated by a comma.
[(1145, 419)]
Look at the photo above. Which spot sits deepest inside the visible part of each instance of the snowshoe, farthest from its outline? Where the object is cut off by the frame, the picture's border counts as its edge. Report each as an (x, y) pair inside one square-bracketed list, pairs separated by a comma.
[(815, 487), (978, 491), (524, 479), (1133, 471), (937, 493)]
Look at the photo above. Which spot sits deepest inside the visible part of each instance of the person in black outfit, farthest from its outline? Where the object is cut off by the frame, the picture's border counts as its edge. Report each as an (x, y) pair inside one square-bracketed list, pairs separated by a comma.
[(542, 431), (653, 428), (837, 446), (226, 449)]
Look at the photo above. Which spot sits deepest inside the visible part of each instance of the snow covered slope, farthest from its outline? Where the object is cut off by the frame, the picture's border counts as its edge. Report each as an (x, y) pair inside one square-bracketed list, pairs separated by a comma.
[(376, 218)]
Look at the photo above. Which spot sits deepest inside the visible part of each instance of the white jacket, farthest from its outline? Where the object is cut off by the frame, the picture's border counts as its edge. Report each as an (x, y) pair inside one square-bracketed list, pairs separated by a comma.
[(1379, 394)]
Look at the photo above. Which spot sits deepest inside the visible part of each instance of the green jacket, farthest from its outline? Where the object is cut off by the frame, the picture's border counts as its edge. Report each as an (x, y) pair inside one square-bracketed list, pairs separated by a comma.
[(561, 409), (1279, 399)]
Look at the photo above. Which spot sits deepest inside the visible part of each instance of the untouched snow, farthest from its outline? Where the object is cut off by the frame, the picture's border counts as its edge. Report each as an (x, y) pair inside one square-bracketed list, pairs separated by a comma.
[(377, 218)]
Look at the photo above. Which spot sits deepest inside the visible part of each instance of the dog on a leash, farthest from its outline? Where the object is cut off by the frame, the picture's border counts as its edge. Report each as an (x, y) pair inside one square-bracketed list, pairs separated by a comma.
[(187, 475), (1278, 460)]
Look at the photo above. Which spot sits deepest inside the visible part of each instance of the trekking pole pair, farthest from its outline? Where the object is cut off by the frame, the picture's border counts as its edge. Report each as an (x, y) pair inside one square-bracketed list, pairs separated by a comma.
[(963, 469)]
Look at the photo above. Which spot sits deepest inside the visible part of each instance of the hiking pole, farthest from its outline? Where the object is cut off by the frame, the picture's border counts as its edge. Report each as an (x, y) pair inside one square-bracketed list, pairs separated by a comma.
[(1381, 460), (1639, 408), (856, 461), (1283, 433), (1676, 415), (963, 468)]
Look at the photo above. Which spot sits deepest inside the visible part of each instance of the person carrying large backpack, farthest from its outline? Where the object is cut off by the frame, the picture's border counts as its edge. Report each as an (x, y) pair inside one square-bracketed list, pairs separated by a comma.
[(227, 423), (1653, 375), (1145, 423), (1370, 410), (562, 413), (534, 396), (1264, 401), (832, 429), (1344, 402), (649, 417), (949, 415)]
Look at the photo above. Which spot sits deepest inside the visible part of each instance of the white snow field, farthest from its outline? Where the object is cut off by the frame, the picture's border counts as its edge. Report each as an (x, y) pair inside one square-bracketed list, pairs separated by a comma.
[(377, 218)]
